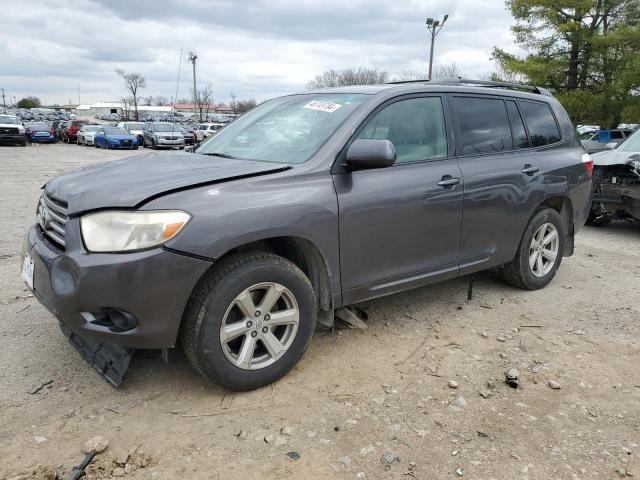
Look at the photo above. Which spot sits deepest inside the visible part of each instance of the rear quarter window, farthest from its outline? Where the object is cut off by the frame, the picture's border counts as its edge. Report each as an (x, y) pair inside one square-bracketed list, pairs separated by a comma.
[(542, 126), (484, 125)]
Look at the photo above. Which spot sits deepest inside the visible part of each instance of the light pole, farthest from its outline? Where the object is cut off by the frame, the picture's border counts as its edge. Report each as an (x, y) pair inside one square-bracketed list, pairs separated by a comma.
[(192, 58), (434, 27)]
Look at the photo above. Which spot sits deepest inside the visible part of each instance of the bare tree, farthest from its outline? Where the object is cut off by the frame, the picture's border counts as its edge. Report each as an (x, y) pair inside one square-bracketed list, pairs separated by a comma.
[(243, 106), (161, 101), (439, 72), (133, 82), (126, 107), (349, 76), (204, 100), (233, 104)]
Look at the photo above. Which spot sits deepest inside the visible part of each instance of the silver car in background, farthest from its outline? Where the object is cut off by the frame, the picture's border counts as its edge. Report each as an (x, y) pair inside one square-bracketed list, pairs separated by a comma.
[(134, 128), (162, 135), (86, 133)]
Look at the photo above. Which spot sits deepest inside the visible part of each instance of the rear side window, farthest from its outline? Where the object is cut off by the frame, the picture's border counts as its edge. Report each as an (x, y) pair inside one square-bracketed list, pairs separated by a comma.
[(520, 139), (416, 127), (616, 134), (484, 125), (541, 123)]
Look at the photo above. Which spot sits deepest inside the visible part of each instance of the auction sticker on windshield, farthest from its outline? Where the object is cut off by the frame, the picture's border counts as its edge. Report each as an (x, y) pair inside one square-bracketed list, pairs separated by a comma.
[(27, 270), (323, 106)]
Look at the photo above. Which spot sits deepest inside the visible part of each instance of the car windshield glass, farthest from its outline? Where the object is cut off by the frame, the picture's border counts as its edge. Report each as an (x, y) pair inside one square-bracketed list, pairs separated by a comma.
[(166, 127), (7, 120), (38, 126), (631, 144), (284, 130), (91, 128), (115, 131), (135, 126)]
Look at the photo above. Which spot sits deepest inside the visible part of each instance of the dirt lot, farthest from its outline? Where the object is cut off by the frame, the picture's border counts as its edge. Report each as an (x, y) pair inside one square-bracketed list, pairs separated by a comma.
[(359, 398)]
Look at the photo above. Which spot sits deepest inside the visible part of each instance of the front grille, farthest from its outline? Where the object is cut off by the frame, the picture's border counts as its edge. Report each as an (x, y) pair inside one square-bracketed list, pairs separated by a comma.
[(167, 137), (9, 131), (52, 218), (126, 143)]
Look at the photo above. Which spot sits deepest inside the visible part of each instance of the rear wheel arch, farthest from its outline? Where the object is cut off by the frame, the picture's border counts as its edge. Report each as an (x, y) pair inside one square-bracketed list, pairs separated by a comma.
[(564, 207)]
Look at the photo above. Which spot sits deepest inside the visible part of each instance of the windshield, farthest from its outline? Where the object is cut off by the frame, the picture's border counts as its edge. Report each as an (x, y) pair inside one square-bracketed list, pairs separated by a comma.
[(91, 128), (7, 120), (631, 144), (135, 126), (165, 127), (115, 131), (285, 130), (38, 126)]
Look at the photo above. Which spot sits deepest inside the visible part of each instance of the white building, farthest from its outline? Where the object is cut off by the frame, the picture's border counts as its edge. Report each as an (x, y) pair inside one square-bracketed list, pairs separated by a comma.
[(105, 108)]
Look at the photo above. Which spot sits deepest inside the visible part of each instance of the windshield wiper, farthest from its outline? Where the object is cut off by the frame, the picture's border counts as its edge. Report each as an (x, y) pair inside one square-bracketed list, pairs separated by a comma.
[(222, 155)]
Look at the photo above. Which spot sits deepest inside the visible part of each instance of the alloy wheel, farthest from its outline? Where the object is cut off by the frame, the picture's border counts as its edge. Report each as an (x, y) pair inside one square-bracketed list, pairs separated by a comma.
[(543, 250), (259, 326)]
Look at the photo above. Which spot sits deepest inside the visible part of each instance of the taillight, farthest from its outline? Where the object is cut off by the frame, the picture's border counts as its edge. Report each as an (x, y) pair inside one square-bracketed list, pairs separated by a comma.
[(587, 161)]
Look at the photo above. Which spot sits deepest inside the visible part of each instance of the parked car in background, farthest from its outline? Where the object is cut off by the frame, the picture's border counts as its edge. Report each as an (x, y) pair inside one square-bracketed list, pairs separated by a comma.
[(12, 131), (86, 133), (40, 132), (616, 183), (114, 137), (205, 130), (604, 139), (60, 127), (306, 204), (162, 135), (135, 128), (69, 134), (189, 134)]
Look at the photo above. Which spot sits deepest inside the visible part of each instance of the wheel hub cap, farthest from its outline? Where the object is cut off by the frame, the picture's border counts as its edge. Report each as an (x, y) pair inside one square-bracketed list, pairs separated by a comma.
[(259, 326), (543, 250)]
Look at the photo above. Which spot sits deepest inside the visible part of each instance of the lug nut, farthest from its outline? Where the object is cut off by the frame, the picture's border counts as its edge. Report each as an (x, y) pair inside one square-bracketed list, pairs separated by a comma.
[(267, 317), (254, 333), (265, 329), (257, 314), (249, 323)]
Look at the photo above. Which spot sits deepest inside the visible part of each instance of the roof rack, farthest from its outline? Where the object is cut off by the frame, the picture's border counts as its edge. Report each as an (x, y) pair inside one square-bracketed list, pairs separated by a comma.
[(480, 83)]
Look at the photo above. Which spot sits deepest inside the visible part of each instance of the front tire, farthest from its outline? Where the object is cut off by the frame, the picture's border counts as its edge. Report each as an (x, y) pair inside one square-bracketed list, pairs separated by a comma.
[(249, 321), (540, 252)]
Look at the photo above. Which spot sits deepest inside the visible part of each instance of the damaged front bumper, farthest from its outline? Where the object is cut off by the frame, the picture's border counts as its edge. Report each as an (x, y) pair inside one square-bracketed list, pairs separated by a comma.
[(616, 191)]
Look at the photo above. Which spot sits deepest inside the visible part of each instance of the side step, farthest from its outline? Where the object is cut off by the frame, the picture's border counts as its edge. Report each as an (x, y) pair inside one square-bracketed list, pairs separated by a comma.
[(109, 359)]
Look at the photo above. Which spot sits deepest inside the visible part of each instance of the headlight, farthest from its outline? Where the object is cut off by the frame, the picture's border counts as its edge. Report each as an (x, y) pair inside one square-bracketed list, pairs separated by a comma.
[(120, 231), (20, 129)]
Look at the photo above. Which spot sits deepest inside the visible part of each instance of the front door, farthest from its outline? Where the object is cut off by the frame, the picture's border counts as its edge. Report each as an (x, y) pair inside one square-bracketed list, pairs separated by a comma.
[(400, 226)]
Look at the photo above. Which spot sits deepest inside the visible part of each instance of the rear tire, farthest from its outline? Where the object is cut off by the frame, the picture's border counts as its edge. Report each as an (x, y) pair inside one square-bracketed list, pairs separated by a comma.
[(215, 304), (533, 267)]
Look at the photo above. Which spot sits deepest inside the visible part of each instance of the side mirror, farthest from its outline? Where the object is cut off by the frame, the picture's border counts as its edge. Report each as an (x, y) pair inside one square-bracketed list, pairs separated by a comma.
[(365, 154), (611, 146)]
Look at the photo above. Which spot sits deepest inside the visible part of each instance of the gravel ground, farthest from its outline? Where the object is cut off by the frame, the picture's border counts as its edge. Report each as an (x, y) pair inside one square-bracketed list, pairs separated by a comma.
[(420, 393)]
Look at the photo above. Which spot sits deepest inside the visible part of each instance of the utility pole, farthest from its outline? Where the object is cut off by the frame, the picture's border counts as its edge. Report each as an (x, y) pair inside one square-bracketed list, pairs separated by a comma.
[(79, 102), (4, 104), (434, 27), (192, 58)]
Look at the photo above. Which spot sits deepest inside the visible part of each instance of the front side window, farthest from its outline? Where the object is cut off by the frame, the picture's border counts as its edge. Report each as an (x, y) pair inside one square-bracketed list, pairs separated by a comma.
[(416, 127), (541, 123), (484, 125), (284, 130), (616, 134)]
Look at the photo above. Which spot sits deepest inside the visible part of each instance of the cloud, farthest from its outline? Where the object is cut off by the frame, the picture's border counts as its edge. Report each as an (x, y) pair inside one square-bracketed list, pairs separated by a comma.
[(257, 49)]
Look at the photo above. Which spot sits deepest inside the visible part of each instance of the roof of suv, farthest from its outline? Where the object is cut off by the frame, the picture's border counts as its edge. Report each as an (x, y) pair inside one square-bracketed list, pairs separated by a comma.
[(457, 84)]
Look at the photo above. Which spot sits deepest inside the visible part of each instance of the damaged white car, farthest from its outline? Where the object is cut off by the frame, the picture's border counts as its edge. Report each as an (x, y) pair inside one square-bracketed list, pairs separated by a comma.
[(616, 183)]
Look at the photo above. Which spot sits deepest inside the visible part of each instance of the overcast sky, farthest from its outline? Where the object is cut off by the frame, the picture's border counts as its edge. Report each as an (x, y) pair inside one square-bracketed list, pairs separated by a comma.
[(259, 49)]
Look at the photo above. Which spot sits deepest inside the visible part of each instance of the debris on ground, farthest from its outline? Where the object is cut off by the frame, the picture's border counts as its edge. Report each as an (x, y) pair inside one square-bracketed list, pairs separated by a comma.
[(389, 459), (453, 384), (33, 389), (96, 444), (555, 385), (293, 455), (513, 378)]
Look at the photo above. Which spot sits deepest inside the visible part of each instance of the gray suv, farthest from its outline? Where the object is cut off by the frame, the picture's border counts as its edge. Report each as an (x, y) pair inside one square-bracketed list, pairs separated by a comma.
[(307, 203), (162, 135)]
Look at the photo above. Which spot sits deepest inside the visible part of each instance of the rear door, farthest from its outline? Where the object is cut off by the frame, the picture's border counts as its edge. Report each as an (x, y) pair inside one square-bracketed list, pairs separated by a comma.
[(503, 183), (400, 226)]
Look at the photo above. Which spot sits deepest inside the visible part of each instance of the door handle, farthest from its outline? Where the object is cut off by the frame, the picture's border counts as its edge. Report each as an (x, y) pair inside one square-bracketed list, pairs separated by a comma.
[(530, 169), (448, 181)]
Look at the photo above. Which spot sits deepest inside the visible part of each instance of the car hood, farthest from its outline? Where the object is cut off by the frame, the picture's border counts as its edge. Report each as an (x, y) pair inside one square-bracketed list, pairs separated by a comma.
[(130, 182), (612, 157), (9, 125)]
